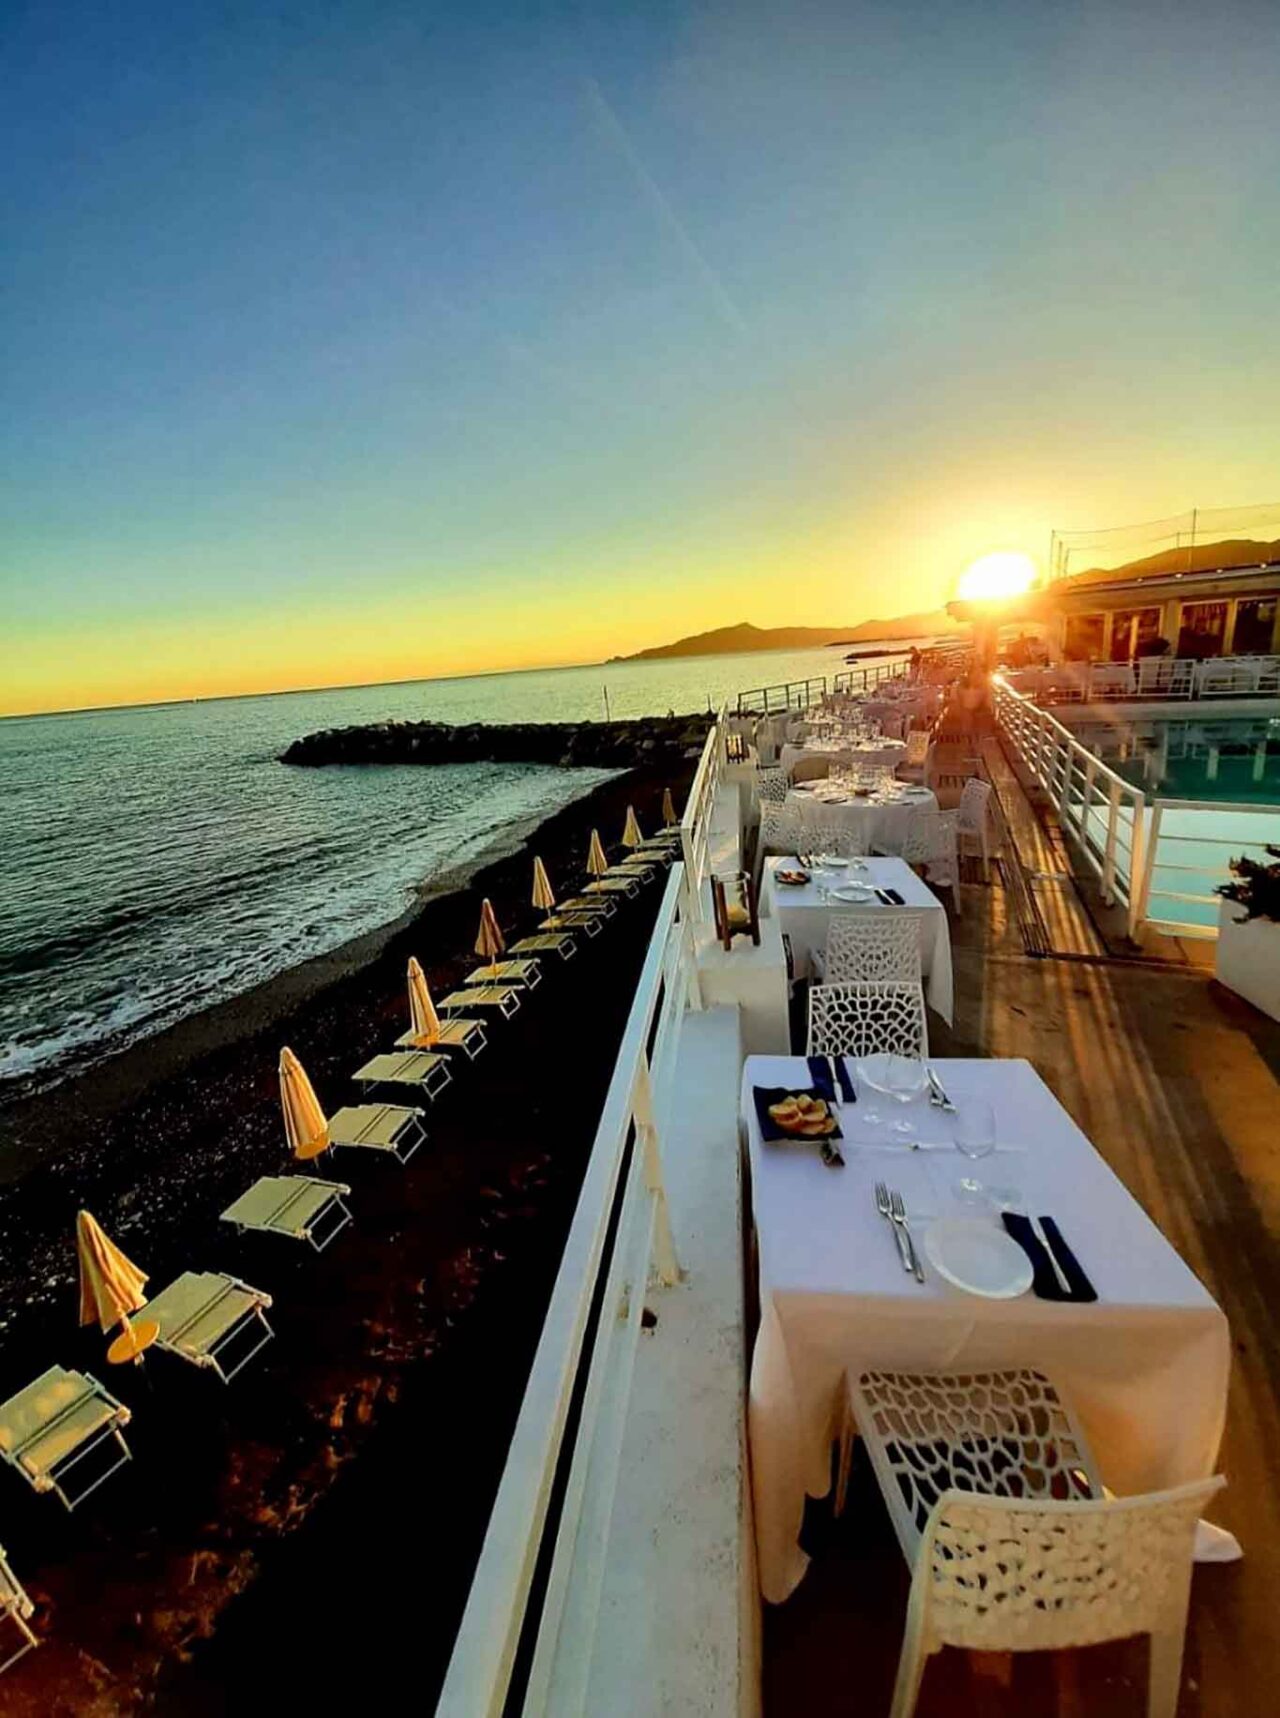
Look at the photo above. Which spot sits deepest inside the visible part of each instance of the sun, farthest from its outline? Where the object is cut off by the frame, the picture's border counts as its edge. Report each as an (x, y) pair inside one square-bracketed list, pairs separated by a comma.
[(1007, 573)]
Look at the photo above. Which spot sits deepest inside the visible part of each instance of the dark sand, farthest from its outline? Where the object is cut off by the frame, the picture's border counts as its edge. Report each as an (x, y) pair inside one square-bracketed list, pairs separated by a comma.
[(342, 1484)]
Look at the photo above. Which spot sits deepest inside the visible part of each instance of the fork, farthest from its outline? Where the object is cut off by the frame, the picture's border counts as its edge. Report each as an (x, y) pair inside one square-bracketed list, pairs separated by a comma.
[(885, 1208), (898, 1212)]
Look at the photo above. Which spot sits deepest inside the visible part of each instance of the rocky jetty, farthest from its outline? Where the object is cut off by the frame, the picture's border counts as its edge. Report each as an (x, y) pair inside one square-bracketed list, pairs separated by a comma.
[(602, 745)]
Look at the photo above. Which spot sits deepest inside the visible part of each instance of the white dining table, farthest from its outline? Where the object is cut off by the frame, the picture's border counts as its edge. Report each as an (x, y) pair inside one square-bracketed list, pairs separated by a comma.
[(804, 913), (1146, 1364), (880, 818)]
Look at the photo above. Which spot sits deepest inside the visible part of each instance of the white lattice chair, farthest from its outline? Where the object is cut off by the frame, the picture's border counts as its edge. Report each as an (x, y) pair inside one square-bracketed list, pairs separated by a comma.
[(931, 841), (821, 825), (999, 1575), (912, 766), (975, 818), (873, 946), (861, 1018), (781, 830), (771, 786)]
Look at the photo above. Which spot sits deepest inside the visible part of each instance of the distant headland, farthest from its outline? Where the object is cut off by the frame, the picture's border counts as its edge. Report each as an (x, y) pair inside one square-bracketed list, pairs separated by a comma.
[(735, 640)]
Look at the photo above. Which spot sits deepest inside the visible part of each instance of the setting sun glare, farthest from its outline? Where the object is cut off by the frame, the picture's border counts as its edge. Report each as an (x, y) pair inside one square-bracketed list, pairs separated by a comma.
[(991, 578)]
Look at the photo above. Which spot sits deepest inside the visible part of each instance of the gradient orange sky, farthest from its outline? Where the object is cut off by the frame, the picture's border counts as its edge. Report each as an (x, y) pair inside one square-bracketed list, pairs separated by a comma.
[(395, 349)]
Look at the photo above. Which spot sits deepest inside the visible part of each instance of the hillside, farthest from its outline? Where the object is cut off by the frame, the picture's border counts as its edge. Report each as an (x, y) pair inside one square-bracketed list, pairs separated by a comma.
[(739, 639), (1203, 558)]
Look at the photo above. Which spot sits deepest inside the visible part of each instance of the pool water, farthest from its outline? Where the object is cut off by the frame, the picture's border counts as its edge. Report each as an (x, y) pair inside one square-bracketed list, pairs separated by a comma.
[(1235, 760)]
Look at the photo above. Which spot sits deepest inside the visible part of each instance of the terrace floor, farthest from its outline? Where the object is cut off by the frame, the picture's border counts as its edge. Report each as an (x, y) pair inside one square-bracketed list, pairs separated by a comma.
[(1177, 1083)]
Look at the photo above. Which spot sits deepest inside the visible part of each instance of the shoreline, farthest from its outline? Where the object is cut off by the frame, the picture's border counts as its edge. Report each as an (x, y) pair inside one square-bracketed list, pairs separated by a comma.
[(110, 1081)]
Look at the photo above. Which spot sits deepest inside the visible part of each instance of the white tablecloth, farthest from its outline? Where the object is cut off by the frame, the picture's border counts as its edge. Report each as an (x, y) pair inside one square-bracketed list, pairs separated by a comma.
[(804, 914), (1146, 1364), (883, 822)]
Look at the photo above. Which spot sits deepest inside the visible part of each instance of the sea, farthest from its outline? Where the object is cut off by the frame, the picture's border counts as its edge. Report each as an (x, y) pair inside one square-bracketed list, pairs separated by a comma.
[(157, 859)]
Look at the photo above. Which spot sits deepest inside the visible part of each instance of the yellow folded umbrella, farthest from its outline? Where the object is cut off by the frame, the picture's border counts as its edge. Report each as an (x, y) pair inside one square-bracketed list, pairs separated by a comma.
[(668, 808), (305, 1125), (110, 1289), (424, 1022), (597, 864), (489, 937), (543, 894), (631, 836)]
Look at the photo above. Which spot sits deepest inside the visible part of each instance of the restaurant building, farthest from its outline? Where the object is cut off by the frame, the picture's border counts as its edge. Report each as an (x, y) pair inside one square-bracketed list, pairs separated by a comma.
[(1225, 611)]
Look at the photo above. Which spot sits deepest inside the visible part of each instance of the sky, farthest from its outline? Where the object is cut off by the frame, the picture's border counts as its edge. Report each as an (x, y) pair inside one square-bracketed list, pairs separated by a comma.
[(354, 342)]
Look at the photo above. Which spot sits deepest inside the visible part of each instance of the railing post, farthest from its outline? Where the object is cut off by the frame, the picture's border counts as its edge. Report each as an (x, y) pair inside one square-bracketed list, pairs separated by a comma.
[(1146, 842), (1109, 850), (666, 1265)]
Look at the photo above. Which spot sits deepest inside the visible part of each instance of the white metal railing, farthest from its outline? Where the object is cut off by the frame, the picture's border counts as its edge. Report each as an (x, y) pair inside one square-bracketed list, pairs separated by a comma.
[(695, 824), (857, 680), (567, 1440), (784, 695), (1102, 809), (1190, 844), (1156, 678)]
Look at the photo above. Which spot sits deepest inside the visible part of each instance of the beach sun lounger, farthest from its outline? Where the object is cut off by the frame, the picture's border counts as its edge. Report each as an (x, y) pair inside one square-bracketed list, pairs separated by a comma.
[(15, 1608), (555, 942), (504, 997), (64, 1421), (211, 1320), (599, 903), (522, 972), (394, 1128), (455, 1034), (296, 1206), (590, 924), (614, 882), (424, 1070)]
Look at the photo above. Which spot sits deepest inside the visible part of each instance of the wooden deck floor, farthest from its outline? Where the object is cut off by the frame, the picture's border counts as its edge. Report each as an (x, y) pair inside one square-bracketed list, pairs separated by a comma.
[(1178, 1085)]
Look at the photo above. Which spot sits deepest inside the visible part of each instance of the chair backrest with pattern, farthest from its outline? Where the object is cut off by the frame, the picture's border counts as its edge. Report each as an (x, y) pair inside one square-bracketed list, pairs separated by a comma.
[(780, 830), (917, 746), (860, 1018), (975, 800), (999, 1574), (810, 769), (771, 785), (874, 945)]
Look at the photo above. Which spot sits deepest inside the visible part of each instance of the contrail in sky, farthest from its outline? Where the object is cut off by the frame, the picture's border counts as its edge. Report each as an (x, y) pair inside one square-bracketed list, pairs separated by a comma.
[(657, 200)]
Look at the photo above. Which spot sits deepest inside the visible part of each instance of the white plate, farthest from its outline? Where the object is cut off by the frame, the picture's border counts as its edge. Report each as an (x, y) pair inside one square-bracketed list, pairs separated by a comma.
[(860, 892), (978, 1257), (830, 861)]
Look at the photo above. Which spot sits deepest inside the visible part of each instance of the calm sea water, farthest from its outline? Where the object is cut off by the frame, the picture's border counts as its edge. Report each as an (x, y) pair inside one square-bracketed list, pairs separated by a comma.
[(157, 859)]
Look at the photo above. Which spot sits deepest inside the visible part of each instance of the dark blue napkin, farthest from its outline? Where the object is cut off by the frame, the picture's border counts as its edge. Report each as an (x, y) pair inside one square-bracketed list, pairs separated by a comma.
[(820, 1074), (1046, 1284), (763, 1096)]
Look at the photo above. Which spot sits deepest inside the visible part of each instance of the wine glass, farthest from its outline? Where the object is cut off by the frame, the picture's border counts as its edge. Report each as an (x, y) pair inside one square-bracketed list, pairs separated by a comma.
[(974, 1129), (901, 1078)]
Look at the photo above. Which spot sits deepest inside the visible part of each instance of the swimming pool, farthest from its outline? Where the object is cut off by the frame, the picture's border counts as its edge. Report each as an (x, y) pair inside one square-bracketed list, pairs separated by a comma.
[(1234, 759)]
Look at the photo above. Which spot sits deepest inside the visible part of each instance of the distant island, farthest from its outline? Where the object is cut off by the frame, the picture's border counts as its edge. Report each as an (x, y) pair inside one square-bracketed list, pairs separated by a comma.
[(735, 640)]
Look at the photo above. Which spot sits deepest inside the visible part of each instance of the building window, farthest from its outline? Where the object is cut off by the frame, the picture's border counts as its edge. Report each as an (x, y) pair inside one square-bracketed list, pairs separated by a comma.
[(1132, 628), (1082, 640), (1203, 629), (1255, 626)]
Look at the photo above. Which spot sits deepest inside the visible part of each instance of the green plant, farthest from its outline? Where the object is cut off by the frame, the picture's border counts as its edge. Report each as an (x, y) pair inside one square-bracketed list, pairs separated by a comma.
[(1258, 888)]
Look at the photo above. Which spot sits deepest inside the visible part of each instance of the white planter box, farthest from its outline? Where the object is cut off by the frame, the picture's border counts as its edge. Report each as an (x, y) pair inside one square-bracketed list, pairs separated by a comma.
[(1248, 959)]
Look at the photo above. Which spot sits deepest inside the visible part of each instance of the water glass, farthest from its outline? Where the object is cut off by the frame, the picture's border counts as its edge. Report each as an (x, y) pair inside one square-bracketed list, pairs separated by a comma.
[(974, 1131)]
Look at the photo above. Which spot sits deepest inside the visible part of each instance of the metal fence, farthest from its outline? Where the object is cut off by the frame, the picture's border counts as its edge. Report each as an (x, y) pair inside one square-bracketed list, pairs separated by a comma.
[(1162, 857), (1100, 808), (695, 825), (784, 695), (1158, 679)]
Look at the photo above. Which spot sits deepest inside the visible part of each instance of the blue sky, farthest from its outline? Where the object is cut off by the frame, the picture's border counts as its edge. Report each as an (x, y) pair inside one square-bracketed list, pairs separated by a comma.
[(352, 341)]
